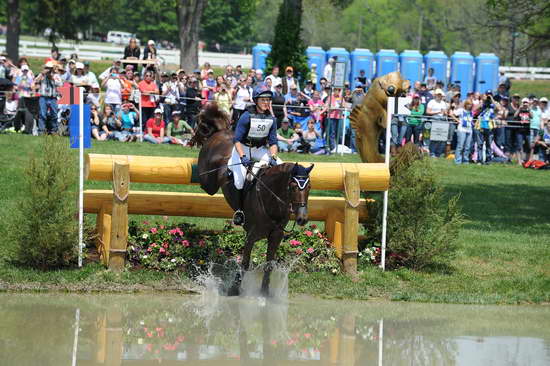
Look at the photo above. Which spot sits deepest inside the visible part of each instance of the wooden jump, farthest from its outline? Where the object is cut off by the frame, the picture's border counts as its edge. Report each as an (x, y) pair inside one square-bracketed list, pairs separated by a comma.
[(340, 214)]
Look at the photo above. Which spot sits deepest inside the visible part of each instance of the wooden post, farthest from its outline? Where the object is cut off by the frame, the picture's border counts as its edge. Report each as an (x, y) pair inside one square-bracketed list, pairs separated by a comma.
[(103, 226), (351, 221), (119, 223)]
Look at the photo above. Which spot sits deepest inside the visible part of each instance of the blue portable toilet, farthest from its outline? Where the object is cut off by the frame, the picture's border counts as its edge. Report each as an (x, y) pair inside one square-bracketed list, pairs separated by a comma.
[(317, 56), (259, 54), (486, 72), (462, 71), (361, 59), (411, 65), (436, 60), (386, 62), (342, 55)]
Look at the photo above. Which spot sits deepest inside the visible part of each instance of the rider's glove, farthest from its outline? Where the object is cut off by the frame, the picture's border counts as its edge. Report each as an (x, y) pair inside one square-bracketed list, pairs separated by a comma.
[(247, 163)]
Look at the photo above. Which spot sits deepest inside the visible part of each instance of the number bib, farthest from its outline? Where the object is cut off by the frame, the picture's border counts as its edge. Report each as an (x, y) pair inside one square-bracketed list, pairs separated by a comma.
[(259, 128)]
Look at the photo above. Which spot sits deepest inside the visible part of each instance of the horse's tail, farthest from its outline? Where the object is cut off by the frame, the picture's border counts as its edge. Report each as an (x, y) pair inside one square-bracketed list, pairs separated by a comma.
[(210, 120)]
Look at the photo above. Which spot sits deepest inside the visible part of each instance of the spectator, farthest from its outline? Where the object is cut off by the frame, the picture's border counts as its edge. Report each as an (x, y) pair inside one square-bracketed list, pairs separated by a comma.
[(242, 95), (277, 104), (289, 81), (430, 79), (230, 77), (238, 71), (129, 120), (308, 90), (205, 71), (170, 92), (130, 87), (327, 72), (112, 124), (543, 141), (523, 117), (437, 109), (502, 111), (292, 103), (79, 78), (335, 119), (90, 75), (209, 87), (486, 117), (503, 79), (464, 132), (287, 139), (313, 75), (98, 129), (54, 55), (47, 83), (223, 98), (425, 95), (316, 106), (132, 51), (5, 72), (150, 51), (535, 126), (178, 131), (155, 128), (113, 92), (105, 74), (193, 102), (414, 123), (24, 82), (258, 78), (501, 92), (149, 92), (313, 139), (363, 80)]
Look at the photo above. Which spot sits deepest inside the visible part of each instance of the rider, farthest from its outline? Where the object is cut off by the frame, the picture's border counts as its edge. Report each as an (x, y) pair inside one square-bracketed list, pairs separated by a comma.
[(255, 140)]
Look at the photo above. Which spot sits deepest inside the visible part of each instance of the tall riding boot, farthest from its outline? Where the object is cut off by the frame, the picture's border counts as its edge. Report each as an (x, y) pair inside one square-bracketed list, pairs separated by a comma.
[(238, 216)]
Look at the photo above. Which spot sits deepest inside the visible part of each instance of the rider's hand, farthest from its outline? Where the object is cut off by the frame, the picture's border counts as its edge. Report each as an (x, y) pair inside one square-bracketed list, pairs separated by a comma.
[(273, 161), (247, 163)]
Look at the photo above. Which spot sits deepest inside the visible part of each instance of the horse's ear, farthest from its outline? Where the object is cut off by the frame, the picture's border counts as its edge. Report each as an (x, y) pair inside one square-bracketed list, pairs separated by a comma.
[(310, 168)]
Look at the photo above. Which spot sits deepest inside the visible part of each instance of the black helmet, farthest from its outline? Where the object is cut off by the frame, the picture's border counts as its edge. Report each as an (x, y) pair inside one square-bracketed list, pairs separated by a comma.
[(262, 91)]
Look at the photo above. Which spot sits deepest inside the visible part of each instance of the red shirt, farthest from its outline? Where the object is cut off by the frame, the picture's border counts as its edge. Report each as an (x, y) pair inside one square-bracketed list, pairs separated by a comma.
[(154, 127), (151, 87)]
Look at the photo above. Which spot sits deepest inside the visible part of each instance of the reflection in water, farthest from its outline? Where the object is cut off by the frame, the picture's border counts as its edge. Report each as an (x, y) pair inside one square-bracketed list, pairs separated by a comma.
[(196, 330)]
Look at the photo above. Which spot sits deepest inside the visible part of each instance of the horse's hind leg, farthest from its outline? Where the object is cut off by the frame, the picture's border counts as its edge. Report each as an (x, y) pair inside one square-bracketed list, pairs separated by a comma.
[(273, 243)]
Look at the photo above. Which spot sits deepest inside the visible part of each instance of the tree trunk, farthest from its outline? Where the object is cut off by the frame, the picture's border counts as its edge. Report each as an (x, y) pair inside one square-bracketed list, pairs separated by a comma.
[(189, 17), (14, 28)]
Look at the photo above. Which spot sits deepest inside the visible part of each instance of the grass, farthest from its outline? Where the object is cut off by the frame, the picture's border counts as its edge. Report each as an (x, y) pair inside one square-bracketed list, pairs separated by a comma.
[(504, 255)]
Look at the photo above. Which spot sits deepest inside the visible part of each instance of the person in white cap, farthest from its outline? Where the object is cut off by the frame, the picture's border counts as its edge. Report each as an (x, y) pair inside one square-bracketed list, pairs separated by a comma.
[(150, 51), (437, 109), (275, 78), (155, 129), (327, 72), (47, 83), (24, 81), (78, 78)]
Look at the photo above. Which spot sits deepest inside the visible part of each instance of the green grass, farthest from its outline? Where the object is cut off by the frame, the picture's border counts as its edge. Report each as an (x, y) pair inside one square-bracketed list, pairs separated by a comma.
[(541, 88), (504, 255)]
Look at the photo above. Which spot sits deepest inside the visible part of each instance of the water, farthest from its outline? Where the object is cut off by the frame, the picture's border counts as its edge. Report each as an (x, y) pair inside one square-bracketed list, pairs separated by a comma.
[(58, 329)]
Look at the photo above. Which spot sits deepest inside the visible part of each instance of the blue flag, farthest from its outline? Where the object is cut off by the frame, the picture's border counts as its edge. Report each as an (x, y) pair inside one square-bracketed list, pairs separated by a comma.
[(74, 126)]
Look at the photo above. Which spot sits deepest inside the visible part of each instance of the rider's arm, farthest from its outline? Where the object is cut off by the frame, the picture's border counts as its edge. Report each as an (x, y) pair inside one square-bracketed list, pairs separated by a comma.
[(272, 137), (241, 131)]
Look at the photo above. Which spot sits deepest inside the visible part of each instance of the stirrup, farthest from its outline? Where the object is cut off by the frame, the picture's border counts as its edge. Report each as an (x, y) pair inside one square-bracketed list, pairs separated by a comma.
[(238, 218)]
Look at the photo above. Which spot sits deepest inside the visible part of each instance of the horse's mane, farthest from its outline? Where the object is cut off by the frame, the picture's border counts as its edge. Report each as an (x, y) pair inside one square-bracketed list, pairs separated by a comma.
[(210, 120)]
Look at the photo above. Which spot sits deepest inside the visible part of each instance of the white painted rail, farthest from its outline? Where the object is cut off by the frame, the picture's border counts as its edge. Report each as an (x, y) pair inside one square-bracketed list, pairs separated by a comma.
[(92, 52), (526, 73)]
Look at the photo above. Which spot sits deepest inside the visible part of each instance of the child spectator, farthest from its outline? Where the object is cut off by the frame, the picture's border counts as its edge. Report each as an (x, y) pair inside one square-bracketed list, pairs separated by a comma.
[(465, 120), (287, 139), (155, 128)]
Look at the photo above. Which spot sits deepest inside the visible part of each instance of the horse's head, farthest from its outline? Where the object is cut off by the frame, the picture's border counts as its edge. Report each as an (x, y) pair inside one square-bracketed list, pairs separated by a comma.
[(299, 192)]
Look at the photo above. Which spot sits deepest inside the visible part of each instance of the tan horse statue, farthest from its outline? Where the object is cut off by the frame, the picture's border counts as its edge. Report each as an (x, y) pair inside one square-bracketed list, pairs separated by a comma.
[(369, 118)]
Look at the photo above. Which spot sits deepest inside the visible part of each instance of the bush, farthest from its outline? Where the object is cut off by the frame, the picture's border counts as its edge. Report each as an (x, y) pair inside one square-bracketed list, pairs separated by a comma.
[(423, 224), (44, 227), (167, 247)]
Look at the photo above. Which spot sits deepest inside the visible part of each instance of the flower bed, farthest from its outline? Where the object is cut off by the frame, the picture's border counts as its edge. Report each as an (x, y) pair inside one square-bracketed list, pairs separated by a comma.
[(168, 247)]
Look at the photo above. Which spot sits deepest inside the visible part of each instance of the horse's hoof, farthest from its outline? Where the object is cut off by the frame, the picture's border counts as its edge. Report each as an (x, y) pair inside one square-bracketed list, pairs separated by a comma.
[(234, 291)]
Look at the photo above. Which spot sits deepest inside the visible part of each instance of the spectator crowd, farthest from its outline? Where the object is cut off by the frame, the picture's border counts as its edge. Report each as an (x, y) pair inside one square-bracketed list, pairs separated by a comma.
[(132, 99)]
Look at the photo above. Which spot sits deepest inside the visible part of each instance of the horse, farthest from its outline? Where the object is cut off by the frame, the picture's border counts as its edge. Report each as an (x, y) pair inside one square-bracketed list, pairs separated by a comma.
[(269, 200)]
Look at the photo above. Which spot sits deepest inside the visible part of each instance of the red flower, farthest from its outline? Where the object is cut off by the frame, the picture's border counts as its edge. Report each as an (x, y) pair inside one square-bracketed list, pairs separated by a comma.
[(149, 334), (219, 251), (202, 243), (310, 250), (185, 243), (313, 226)]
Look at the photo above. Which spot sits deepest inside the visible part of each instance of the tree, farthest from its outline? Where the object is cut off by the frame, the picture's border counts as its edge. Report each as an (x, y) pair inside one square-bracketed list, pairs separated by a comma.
[(288, 49), (189, 14), (14, 28)]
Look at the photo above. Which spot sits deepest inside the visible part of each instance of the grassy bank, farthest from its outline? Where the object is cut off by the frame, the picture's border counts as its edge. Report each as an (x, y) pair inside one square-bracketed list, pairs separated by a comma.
[(504, 256)]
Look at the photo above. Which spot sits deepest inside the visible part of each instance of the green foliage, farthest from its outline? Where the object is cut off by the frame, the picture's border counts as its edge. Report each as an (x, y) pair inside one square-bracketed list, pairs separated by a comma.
[(166, 247), (423, 225), (228, 23), (44, 227), (288, 49)]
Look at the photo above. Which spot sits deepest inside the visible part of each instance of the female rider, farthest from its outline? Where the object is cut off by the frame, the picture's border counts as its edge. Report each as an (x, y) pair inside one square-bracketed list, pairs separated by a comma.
[(255, 140)]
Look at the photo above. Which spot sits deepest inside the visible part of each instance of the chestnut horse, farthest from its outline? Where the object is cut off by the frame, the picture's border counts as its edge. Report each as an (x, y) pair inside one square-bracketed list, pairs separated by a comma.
[(275, 193)]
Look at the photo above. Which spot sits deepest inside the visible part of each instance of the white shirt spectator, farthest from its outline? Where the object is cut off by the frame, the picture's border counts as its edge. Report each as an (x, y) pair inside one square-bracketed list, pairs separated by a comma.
[(275, 80), (327, 72), (242, 94), (437, 108), (113, 92), (171, 92)]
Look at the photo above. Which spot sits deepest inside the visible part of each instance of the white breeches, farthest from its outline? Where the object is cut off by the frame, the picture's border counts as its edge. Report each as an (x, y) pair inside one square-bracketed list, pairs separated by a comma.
[(260, 155)]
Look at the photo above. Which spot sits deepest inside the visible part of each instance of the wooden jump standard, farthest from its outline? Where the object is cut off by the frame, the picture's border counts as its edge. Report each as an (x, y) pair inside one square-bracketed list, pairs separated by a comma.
[(340, 214)]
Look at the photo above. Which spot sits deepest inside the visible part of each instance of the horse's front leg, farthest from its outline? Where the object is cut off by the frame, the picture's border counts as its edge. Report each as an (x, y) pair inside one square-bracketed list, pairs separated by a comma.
[(234, 290), (273, 242)]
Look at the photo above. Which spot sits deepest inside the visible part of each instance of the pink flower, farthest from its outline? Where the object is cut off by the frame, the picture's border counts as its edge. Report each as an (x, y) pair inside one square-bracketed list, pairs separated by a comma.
[(274, 342), (153, 230), (172, 232), (185, 243), (202, 243), (308, 233), (162, 250), (290, 342), (239, 259), (320, 235), (161, 227), (295, 243), (146, 223), (307, 335), (149, 334), (310, 250), (178, 230), (298, 251), (165, 245), (149, 249), (154, 245), (219, 251)]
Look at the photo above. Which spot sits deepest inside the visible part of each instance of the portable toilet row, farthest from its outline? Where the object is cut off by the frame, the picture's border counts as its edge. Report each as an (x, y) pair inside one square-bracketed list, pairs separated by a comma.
[(316, 56), (362, 59), (462, 71), (486, 74), (259, 55), (436, 60)]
